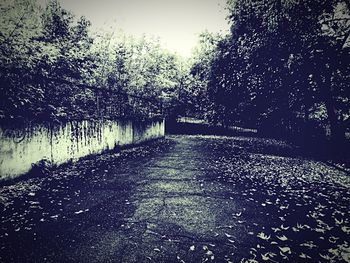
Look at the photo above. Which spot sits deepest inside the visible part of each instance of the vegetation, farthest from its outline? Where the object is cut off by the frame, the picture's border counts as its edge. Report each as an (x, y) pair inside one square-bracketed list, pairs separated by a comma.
[(282, 68), (53, 69)]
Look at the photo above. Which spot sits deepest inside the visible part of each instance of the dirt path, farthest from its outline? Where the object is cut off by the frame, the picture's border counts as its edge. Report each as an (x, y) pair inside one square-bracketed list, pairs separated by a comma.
[(188, 199)]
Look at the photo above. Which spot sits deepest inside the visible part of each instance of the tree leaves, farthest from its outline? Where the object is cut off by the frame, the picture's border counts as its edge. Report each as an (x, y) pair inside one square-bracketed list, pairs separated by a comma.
[(46, 52), (278, 48)]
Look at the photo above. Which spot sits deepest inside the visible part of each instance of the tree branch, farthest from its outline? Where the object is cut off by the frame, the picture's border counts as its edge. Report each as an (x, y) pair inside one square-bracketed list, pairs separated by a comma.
[(17, 24), (336, 19), (344, 40)]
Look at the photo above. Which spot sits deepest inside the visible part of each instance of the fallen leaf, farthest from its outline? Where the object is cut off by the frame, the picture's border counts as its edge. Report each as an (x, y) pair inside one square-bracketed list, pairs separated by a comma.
[(284, 227), (346, 229), (263, 236), (275, 229), (285, 250), (228, 235), (282, 238), (302, 255), (79, 212)]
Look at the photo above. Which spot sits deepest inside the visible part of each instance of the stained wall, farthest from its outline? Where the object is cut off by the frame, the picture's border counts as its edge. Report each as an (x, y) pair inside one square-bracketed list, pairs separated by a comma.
[(20, 148)]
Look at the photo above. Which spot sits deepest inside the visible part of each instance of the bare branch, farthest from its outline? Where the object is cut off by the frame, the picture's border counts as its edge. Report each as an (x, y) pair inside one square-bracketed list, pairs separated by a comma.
[(336, 19)]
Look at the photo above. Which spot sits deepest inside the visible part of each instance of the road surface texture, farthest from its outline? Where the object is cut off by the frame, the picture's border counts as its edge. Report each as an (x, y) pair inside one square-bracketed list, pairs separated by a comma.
[(182, 199)]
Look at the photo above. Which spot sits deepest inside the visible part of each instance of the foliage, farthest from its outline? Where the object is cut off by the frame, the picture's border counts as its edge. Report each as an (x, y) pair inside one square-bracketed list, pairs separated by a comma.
[(283, 62), (52, 68), (200, 73)]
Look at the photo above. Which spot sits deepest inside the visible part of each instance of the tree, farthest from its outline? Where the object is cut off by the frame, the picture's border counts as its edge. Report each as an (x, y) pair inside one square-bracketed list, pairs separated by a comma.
[(281, 63), (18, 59), (200, 74), (41, 51)]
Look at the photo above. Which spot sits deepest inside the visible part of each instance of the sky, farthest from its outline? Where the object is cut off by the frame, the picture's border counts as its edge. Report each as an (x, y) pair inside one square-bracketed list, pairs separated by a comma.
[(177, 23)]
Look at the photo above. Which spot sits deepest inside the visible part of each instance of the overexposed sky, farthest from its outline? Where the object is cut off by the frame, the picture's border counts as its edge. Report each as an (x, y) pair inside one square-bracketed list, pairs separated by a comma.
[(176, 22)]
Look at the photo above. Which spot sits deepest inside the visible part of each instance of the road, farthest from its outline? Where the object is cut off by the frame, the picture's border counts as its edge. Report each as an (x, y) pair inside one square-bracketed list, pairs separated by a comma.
[(182, 199)]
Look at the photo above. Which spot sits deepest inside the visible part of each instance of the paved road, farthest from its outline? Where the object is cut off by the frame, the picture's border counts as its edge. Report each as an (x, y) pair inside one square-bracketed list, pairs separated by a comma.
[(184, 199)]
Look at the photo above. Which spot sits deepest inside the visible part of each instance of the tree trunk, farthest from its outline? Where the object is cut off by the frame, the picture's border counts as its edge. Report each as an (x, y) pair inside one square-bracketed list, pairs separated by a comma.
[(337, 129)]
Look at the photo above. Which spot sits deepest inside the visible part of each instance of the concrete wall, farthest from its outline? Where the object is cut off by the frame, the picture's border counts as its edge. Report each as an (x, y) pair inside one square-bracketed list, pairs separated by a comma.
[(20, 148)]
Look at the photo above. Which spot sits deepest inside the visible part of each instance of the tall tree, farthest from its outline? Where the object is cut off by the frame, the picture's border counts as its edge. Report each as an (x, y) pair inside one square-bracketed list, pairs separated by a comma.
[(281, 63)]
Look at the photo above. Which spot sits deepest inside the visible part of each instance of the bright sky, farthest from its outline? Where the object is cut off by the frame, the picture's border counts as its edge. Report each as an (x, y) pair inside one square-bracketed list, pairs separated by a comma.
[(176, 22)]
